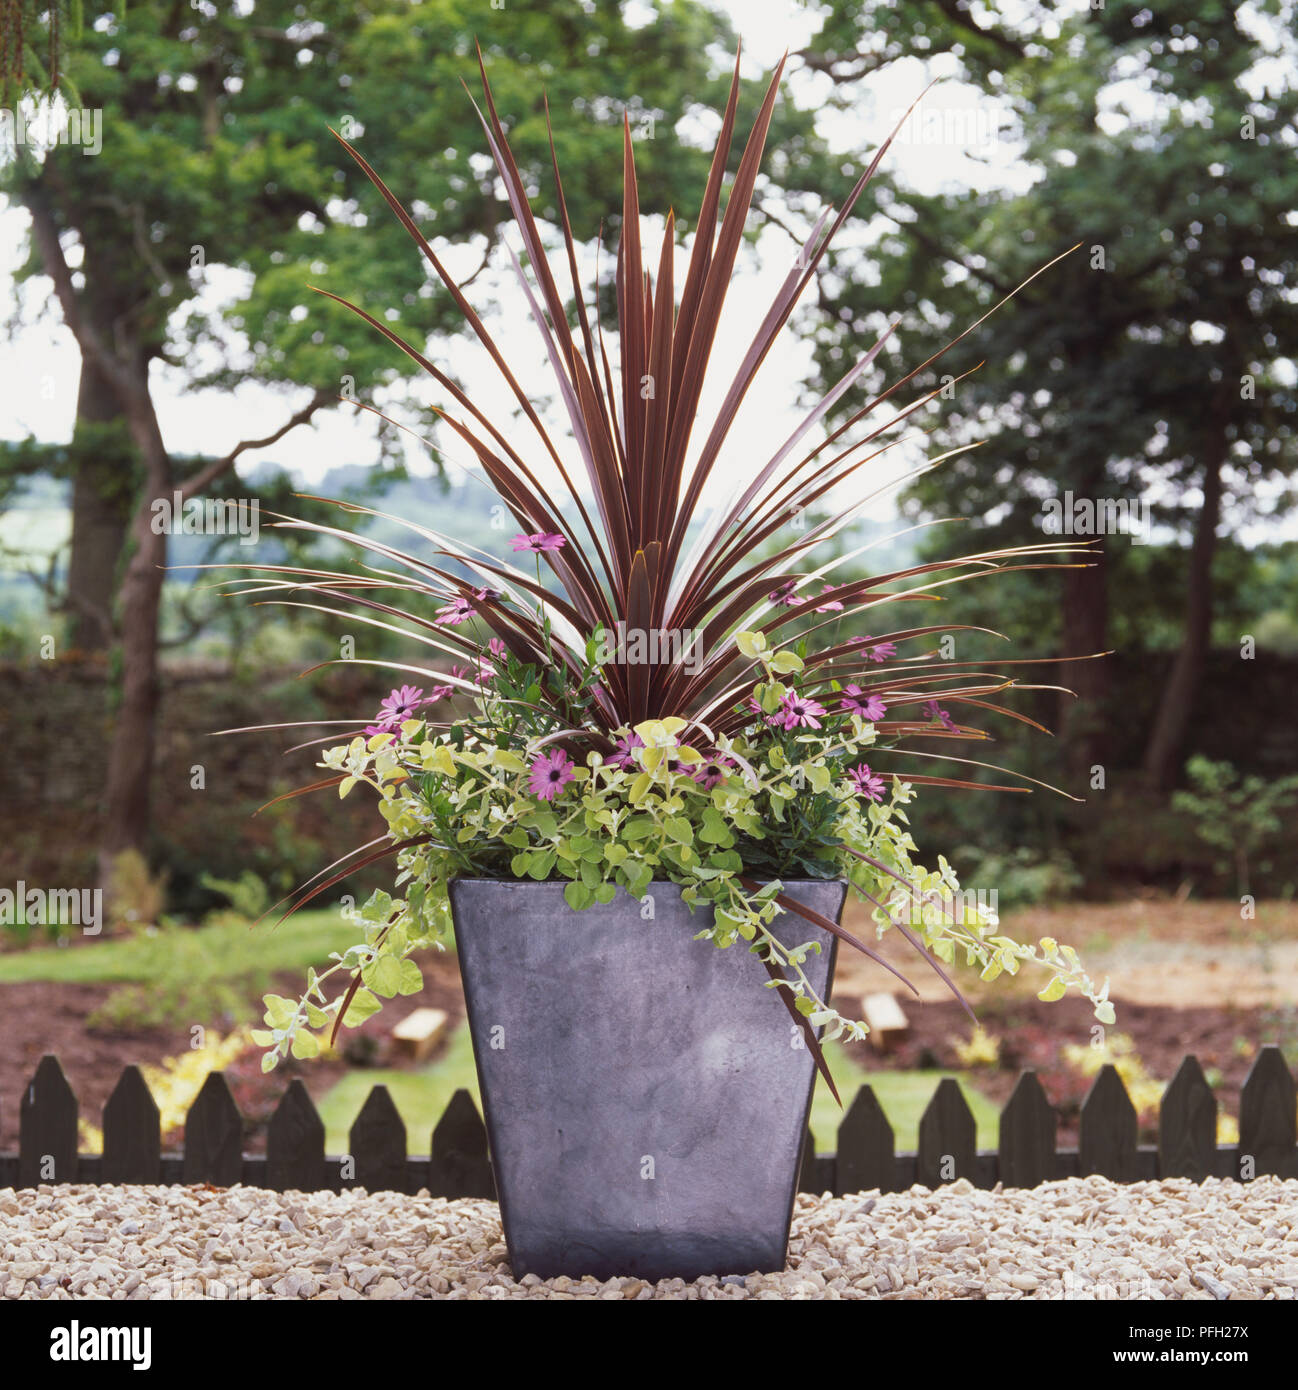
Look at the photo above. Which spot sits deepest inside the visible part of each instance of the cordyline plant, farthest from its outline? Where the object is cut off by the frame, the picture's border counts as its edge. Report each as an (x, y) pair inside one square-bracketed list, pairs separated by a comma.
[(725, 763)]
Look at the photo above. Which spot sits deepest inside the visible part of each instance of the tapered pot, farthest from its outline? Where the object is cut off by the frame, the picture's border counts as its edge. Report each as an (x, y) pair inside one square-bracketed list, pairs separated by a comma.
[(645, 1097)]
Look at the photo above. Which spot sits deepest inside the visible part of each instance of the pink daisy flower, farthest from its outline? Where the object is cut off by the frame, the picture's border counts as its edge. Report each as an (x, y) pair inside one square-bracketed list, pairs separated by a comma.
[(498, 649), (457, 611), (879, 651), (833, 606), (871, 707), (935, 711), (401, 704), (711, 772), (541, 542), (753, 706), (550, 773), (784, 594), (625, 748), (866, 783), (797, 711)]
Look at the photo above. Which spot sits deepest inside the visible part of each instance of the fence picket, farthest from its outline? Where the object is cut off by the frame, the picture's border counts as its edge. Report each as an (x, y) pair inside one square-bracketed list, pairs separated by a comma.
[(213, 1136), (948, 1137), (295, 1143), (1268, 1117), (132, 1137), (378, 1144), (1108, 1129), (1187, 1125), (459, 1166), (1028, 1127), (867, 1149), (47, 1127)]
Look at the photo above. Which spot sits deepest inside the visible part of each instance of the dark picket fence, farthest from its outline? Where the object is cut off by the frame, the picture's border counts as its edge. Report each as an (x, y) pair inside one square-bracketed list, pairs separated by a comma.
[(459, 1164)]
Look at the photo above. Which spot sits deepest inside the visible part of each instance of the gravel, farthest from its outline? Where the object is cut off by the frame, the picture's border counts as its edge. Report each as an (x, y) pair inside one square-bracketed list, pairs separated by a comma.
[(1083, 1238)]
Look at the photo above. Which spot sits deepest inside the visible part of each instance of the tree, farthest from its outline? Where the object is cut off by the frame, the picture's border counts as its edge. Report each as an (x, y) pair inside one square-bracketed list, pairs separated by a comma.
[(217, 151), (1146, 365)]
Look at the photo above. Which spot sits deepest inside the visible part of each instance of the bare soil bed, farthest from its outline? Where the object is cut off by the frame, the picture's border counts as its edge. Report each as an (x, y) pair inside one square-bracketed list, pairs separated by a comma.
[(1033, 1034), (44, 1016)]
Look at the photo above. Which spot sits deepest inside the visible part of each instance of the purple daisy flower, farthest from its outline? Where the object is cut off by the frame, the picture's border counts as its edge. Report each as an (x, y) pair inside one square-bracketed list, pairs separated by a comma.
[(457, 611), (871, 707), (783, 594), (498, 649), (833, 606), (879, 651), (935, 711), (550, 773), (866, 783), (541, 542), (797, 711), (400, 705), (625, 748), (711, 772), (753, 706)]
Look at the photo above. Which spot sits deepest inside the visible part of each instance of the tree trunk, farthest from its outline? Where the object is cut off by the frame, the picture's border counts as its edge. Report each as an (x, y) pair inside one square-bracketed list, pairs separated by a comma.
[(1084, 721), (102, 501), (130, 756), (1163, 751)]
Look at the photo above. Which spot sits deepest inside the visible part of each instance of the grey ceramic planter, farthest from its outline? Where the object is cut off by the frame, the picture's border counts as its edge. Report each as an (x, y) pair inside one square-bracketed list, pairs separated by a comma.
[(636, 1127)]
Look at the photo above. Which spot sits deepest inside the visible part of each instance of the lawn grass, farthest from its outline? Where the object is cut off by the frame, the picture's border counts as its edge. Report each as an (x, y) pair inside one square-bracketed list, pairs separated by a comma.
[(227, 950), (904, 1096), (422, 1095)]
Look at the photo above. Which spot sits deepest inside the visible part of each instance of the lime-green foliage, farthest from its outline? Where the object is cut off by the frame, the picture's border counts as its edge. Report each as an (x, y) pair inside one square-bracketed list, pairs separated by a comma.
[(249, 897), (460, 803), (176, 976), (136, 896)]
